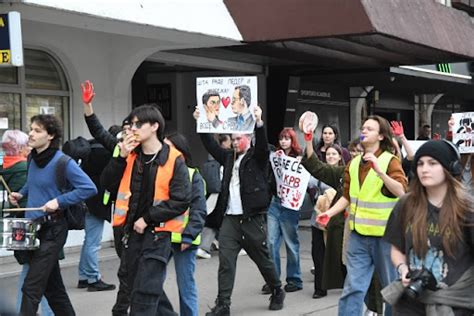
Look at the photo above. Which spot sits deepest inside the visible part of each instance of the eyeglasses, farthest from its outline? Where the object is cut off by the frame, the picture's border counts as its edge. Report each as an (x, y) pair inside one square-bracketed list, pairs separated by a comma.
[(137, 124)]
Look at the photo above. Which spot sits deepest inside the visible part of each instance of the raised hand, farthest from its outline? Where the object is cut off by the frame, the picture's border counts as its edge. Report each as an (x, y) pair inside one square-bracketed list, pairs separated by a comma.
[(258, 113), (451, 123), (397, 128), (308, 123), (196, 113), (87, 92)]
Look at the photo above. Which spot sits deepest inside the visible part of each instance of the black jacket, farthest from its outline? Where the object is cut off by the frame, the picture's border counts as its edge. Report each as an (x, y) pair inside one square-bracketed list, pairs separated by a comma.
[(254, 189), (180, 188), (98, 159), (100, 134), (197, 210)]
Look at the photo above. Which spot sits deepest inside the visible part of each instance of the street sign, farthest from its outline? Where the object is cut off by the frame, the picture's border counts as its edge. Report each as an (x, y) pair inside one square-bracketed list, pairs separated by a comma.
[(11, 44)]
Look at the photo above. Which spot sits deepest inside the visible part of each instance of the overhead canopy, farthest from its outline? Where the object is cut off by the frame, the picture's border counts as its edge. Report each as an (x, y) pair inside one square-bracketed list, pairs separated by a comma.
[(342, 34)]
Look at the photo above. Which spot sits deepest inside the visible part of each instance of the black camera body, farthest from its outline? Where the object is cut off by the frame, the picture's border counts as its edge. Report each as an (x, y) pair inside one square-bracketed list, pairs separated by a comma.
[(419, 281)]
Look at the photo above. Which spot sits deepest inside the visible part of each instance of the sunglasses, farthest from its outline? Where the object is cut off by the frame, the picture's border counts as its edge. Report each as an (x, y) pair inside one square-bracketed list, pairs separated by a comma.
[(137, 124)]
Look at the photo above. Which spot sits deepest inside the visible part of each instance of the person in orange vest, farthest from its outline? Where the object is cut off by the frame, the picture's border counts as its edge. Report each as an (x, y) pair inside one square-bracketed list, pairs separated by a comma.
[(153, 193)]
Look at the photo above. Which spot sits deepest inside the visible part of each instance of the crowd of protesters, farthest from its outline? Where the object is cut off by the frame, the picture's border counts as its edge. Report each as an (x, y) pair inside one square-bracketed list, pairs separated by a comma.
[(395, 232)]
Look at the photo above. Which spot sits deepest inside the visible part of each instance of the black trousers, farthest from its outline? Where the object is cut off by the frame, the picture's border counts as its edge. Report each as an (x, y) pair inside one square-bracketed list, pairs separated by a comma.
[(123, 295), (146, 258), (44, 275), (318, 250), (236, 233)]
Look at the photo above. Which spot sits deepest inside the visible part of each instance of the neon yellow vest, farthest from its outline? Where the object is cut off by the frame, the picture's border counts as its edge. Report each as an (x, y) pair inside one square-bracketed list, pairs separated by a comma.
[(370, 209), (177, 237)]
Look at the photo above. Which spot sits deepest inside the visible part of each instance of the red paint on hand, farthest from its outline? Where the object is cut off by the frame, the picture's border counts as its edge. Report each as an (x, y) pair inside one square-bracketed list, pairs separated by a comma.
[(87, 92)]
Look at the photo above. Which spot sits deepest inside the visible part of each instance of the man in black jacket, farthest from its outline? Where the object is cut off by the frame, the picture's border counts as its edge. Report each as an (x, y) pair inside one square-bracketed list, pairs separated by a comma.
[(240, 212), (153, 188)]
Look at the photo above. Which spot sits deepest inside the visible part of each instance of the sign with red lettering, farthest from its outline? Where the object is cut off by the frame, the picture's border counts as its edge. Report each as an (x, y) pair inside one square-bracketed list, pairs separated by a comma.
[(463, 132), (291, 179)]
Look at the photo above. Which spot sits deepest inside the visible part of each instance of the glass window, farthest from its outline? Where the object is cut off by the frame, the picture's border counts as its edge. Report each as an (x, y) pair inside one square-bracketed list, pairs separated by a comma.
[(8, 75), (43, 72), (10, 114), (40, 87)]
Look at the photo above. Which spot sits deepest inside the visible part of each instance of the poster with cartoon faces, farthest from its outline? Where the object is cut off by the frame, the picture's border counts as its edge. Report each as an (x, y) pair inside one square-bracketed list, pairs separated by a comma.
[(463, 131), (226, 104)]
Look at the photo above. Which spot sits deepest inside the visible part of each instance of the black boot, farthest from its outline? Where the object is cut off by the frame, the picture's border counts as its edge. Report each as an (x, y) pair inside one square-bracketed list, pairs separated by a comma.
[(219, 310), (276, 300)]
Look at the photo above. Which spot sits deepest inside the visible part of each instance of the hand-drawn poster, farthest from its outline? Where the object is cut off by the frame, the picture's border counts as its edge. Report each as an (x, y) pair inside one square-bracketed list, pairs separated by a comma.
[(226, 104), (291, 179), (463, 131)]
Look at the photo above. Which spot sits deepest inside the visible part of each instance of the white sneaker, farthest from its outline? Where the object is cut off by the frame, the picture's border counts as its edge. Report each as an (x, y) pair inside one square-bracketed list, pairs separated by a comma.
[(215, 245), (203, 254), (242, 252)]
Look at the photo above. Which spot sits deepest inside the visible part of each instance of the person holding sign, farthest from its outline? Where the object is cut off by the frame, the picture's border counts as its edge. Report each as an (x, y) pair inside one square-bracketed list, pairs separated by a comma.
[(373, 182), (283, 220), (240, 212), (329, 269)]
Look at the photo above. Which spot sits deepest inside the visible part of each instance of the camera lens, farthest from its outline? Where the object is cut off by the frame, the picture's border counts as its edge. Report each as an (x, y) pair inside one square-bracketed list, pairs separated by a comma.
[(413, 290)]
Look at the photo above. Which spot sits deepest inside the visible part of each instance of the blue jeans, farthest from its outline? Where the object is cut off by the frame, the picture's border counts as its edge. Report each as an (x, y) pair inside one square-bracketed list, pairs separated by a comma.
[(89, 263), (45, 309), (185, 263), (283, 222), (364, 255)]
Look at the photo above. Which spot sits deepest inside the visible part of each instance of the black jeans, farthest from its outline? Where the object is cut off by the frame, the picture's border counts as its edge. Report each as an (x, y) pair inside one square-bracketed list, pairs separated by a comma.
[(147, 256), (123, 295), (236, 233), (44, 276)]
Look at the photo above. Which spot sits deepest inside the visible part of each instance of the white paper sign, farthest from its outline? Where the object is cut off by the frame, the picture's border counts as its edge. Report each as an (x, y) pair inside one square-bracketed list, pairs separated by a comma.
[(291, 179), (463, 131), (3, 122), (47, 110), (226, 104), (414, 145)]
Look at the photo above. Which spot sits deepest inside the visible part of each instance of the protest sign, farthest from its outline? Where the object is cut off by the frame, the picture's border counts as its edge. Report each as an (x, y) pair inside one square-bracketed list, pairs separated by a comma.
[(226, 104), (291, 179), (463, 131)]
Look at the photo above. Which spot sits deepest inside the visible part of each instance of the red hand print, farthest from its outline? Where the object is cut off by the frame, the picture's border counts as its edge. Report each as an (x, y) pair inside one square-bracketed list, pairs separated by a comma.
[(87, 92)]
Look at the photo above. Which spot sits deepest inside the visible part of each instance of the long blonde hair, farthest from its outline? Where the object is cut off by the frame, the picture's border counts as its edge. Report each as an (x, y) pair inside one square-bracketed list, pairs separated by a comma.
[(451, 219)]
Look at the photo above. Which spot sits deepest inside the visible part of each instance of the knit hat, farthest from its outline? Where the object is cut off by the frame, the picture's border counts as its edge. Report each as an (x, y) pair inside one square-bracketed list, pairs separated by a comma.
[(446, 154)]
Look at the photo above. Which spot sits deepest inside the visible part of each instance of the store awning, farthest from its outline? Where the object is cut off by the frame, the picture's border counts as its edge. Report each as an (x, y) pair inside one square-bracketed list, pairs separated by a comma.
[(354, 33)]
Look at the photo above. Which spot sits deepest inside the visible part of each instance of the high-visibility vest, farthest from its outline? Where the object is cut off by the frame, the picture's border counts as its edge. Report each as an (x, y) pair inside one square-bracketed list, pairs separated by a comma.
[(162, 181), (370, 209), (106, 196), (177, 237)]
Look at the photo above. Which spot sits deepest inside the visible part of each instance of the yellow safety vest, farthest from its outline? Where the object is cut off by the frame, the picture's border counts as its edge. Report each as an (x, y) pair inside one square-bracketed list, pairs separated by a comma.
[(177, 237), (370, 209)]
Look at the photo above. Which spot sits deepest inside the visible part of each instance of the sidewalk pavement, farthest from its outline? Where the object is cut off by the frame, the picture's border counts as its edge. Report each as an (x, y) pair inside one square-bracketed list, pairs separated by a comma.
[(246, 298)]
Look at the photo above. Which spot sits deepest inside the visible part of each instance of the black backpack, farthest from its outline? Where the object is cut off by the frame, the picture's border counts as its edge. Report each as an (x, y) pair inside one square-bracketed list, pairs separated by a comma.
[(75, 214), (211, 173)]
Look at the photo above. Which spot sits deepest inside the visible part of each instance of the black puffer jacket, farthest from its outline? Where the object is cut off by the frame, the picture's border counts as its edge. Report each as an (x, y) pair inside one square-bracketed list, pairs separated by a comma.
[(254, 189)]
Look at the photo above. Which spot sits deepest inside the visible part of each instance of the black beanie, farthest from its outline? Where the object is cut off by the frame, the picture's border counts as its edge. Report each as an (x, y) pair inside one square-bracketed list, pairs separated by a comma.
[(440, 150)]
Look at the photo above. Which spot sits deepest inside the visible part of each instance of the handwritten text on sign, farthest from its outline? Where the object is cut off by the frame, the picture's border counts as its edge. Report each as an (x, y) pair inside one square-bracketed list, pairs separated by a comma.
[(291, 179)]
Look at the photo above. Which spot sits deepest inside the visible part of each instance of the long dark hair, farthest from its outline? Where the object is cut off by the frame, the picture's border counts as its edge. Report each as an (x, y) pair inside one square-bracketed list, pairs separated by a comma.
[(181, 143), (451, 219), (335, 130), (295, 146), (339, 151)]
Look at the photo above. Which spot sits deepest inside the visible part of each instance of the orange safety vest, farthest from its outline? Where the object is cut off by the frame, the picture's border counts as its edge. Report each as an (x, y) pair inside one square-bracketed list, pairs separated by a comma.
[(163, 178)]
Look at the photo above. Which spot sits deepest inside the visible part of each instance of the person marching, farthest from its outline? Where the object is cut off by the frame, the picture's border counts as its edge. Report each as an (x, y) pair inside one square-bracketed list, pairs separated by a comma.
[(373, 182), (185, 244), (431, 230), (153, 193), (240, 212), (283, 223), (42, 191)]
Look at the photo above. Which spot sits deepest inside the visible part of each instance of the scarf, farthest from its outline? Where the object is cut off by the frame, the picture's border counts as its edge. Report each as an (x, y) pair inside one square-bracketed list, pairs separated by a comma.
[(44, 157), (9, 161)]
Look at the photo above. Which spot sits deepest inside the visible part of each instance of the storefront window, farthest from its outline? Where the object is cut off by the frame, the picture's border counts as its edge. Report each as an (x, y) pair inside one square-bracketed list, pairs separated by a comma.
[(40, 87)]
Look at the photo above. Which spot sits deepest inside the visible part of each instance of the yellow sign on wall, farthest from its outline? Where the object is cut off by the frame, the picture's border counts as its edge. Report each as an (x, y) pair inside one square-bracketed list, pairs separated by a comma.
[(5, 56)]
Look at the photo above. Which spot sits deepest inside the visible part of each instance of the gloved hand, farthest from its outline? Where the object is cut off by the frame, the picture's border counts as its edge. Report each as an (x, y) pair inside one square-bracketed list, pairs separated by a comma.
[(87, 92)]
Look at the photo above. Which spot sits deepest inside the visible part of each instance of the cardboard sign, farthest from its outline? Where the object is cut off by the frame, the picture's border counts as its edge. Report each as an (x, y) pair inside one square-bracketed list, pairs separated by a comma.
[(291, 179), (226, 104), (463, 131)]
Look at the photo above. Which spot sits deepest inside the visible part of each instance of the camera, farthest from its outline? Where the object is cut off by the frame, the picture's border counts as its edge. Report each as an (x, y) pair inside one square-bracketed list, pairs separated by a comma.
[(419, 281)]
